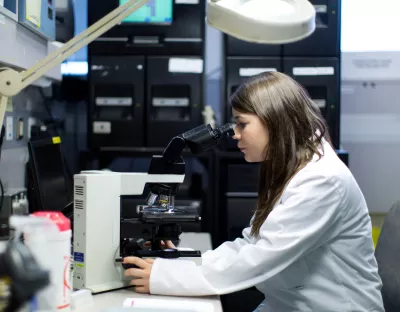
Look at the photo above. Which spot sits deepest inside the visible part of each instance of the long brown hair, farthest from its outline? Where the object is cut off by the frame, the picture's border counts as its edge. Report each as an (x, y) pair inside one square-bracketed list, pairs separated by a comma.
[(296, 129)]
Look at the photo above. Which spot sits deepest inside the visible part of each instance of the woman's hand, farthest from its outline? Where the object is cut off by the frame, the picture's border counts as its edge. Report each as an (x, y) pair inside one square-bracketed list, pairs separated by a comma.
[(141, 275)]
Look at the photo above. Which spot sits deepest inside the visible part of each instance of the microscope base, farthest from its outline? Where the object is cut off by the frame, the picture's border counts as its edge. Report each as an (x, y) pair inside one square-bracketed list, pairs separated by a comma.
[(115, 285), (189, 255)]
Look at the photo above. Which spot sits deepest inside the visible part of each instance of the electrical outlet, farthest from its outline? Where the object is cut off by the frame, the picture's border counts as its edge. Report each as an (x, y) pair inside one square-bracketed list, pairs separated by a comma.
[(31, 122), (9, 128)]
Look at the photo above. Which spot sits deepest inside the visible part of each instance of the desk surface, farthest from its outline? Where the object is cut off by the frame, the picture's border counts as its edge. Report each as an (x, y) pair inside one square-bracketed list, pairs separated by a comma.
[(115, 299)]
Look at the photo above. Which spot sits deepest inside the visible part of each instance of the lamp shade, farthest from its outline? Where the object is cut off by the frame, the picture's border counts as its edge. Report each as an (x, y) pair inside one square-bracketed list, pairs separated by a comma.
[(263, 21)]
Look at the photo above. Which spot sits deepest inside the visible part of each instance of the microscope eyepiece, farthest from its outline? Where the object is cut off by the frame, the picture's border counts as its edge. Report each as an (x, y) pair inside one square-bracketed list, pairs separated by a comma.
[(205, 137), (227, 130), (197, 140)]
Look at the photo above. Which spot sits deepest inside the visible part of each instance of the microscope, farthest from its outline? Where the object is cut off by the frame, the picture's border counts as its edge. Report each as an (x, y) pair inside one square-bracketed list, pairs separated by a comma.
[(103, 237)]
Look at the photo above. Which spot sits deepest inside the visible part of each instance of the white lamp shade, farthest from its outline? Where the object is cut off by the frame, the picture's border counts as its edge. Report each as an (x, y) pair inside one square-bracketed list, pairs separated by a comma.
[(263, 21)]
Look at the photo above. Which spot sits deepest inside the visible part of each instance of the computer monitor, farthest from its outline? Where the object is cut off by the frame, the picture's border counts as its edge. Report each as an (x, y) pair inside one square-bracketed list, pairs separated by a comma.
[(48, 180), (153, 12)]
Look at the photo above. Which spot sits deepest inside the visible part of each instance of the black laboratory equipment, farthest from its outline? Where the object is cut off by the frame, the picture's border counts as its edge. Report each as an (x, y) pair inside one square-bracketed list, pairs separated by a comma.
[(237, 70), (48, 182), (160, 27), (237, 47), (174, 97), (235, 195), (325, 41), (65, 20), (116, 107), (321, 78)]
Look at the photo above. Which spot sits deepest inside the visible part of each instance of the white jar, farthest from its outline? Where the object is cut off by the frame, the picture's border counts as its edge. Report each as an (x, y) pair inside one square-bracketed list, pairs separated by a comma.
[(54, 254)]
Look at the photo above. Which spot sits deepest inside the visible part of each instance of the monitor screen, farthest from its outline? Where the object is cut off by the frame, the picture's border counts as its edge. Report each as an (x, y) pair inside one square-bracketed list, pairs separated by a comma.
[(53, 187), (71, 68), (153, 12)]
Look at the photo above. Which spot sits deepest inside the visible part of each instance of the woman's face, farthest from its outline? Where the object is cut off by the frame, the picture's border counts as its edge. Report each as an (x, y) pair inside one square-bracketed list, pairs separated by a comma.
[(252, 136)]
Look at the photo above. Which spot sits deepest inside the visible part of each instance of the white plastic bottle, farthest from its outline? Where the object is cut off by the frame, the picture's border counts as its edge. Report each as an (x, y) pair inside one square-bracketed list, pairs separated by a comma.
[(59, 264), (48, 236)]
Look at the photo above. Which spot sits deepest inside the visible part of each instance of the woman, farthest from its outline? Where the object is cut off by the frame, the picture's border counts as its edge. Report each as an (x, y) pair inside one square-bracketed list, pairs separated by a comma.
[(309, 246)]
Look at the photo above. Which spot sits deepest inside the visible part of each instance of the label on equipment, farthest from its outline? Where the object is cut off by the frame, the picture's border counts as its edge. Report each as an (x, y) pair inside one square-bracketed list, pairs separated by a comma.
[(321, 8), (56, 140), (114, 101), (185, 65), (313, 71), (321, 103), (103, 127), (187, 1), (79, 257), (170, 102)]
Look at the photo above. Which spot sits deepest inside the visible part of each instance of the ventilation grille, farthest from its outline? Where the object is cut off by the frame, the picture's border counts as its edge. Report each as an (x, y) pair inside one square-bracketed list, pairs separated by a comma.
[(78, 204), (79, 190)]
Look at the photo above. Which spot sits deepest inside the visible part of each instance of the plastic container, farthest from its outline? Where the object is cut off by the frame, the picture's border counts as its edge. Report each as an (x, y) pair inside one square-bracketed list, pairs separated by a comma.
[(48, 236), (58, 263)]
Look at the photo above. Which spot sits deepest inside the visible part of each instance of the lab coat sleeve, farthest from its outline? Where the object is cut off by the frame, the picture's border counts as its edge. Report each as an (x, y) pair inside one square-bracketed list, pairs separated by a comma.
[(303, 220)]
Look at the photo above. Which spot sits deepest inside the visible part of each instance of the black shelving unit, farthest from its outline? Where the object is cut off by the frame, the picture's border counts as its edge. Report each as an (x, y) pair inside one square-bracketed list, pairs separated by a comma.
[(146, 76), (235, 194), (235, 198)]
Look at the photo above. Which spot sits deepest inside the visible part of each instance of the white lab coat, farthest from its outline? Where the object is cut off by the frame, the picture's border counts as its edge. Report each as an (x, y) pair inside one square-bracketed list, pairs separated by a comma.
[(314, 252)]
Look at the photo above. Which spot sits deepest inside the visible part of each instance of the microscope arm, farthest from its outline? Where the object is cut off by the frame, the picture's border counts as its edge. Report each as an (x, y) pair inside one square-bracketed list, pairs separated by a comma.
[(171, 162), (173, 151)]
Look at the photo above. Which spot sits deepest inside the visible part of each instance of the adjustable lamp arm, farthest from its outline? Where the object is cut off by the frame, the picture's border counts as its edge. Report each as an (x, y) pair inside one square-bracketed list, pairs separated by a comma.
[(12, 82)]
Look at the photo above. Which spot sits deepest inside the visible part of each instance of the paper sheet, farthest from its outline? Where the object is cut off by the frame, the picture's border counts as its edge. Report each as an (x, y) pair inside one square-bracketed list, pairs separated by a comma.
[(33, 11), (176, 305)]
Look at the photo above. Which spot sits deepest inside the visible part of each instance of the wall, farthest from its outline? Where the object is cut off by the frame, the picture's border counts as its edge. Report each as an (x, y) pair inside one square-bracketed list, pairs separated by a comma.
[(370, 132), (214, 69), (29, 103), (370, 129)]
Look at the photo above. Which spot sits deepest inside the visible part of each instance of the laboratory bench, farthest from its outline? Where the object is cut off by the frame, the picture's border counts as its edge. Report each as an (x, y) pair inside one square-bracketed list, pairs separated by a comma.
[(113, 300)]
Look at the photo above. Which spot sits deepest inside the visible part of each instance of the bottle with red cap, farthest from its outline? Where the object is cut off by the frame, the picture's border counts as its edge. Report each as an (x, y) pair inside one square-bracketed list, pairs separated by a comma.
[(56, 297)]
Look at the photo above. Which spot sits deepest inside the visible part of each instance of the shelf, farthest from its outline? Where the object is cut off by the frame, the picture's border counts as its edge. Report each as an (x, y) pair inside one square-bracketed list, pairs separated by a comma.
[(21, 48)]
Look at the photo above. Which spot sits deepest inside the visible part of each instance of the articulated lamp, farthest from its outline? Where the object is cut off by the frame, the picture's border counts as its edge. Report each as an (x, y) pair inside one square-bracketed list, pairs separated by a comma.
[(261, 21)]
